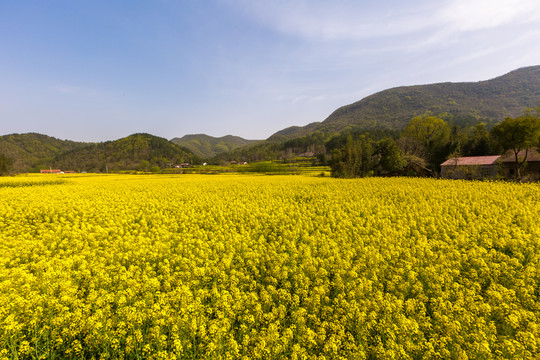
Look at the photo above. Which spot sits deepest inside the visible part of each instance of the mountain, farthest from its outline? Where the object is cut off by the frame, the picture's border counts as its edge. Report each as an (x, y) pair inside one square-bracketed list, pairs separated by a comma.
[(32, 151), (293, 131), (134, 152), (382, 115), (205, 146), (493, 99)]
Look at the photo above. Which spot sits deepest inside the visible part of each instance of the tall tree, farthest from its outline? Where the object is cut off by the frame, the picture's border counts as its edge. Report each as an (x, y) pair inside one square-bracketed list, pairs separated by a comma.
[(433, 133), (428, 129), (388, 157), (354, 159), (476, 141), (518, 134)]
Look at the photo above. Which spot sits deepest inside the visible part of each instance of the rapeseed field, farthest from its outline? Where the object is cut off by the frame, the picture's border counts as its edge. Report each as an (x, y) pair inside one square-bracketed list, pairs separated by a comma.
[(268, 267)]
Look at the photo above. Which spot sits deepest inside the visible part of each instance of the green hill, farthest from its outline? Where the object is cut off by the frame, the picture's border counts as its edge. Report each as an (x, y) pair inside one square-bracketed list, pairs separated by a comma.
[(134, 152), (493, 99), (32, 151), (386, 111), (206, 146), (293, 131)]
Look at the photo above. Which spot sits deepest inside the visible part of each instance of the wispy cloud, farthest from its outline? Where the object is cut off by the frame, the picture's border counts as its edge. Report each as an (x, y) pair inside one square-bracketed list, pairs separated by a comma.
[(356, 20), (471, 15), (334, 20)]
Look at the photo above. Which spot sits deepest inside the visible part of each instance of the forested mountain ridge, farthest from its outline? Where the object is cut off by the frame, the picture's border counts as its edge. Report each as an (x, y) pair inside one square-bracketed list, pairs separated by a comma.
[(205, 146), (135, 152), (493, 99), (31, 151)]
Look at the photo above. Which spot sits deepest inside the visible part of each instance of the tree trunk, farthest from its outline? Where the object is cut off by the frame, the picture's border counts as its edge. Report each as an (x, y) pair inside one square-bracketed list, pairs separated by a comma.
[(519, 164), (516, 164)]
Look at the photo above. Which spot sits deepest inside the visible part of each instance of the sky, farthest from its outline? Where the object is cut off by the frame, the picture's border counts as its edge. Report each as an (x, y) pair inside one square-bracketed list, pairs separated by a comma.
[(100, 70)]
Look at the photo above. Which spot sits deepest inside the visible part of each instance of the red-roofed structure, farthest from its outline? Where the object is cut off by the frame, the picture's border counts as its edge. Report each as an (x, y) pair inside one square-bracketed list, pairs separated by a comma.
[(490, 167), (471, 167), (52, 171), (472, 161)]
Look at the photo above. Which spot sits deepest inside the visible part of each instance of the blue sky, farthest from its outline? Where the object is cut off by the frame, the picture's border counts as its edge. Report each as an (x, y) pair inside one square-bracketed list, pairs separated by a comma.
[(100, 70)]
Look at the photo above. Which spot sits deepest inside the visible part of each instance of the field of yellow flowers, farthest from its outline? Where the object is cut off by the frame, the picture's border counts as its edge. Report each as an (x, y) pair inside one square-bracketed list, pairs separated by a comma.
[(267, 267)]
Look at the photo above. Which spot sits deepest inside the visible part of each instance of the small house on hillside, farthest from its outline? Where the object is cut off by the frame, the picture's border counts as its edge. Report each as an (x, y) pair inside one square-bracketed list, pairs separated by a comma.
[(471, 167)]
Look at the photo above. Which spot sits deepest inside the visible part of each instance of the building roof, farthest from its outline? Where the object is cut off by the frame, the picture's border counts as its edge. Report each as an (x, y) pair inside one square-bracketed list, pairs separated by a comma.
[(472, 160)]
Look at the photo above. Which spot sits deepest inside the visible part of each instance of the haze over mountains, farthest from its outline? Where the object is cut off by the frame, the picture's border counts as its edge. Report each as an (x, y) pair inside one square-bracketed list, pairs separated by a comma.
[(489, 101)]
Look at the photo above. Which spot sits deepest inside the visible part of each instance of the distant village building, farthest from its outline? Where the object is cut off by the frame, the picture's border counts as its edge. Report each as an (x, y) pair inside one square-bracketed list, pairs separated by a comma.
[(51, 171), (182, 165), (56, 171)]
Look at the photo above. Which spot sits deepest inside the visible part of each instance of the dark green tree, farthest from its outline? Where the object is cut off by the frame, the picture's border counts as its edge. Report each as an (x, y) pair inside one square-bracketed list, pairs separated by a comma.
[(518, 134), (388, 158), (433, 134), (144, 165), (355, 159), (476, 141)]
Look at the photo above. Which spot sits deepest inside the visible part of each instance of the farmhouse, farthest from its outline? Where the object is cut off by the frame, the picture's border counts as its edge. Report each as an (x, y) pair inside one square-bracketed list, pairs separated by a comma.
[(471, 167), (491, 167)]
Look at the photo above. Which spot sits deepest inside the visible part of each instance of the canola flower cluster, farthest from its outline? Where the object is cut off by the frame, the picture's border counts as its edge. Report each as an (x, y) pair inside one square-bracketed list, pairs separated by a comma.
[(268, 267)]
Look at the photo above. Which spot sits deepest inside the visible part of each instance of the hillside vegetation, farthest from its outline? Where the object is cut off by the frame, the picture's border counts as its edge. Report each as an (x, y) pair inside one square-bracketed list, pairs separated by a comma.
[(205, 146), (134, 152), (32, 151)]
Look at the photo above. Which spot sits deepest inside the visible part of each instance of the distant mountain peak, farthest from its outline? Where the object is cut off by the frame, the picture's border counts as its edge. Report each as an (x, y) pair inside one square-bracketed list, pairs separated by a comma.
[(206, 146)]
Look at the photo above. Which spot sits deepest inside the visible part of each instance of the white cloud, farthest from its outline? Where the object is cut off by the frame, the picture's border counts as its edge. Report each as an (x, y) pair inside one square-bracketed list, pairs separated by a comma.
[(359, 20), (335, 20), (470, 15)]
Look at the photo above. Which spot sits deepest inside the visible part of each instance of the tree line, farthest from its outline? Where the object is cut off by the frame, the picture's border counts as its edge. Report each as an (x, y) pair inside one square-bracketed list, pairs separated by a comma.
[(417, 150), (427, 141)]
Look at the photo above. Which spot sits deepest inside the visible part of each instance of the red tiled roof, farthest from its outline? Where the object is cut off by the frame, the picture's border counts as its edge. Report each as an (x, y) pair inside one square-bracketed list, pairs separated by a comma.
[(472, 160), (50, 171)]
